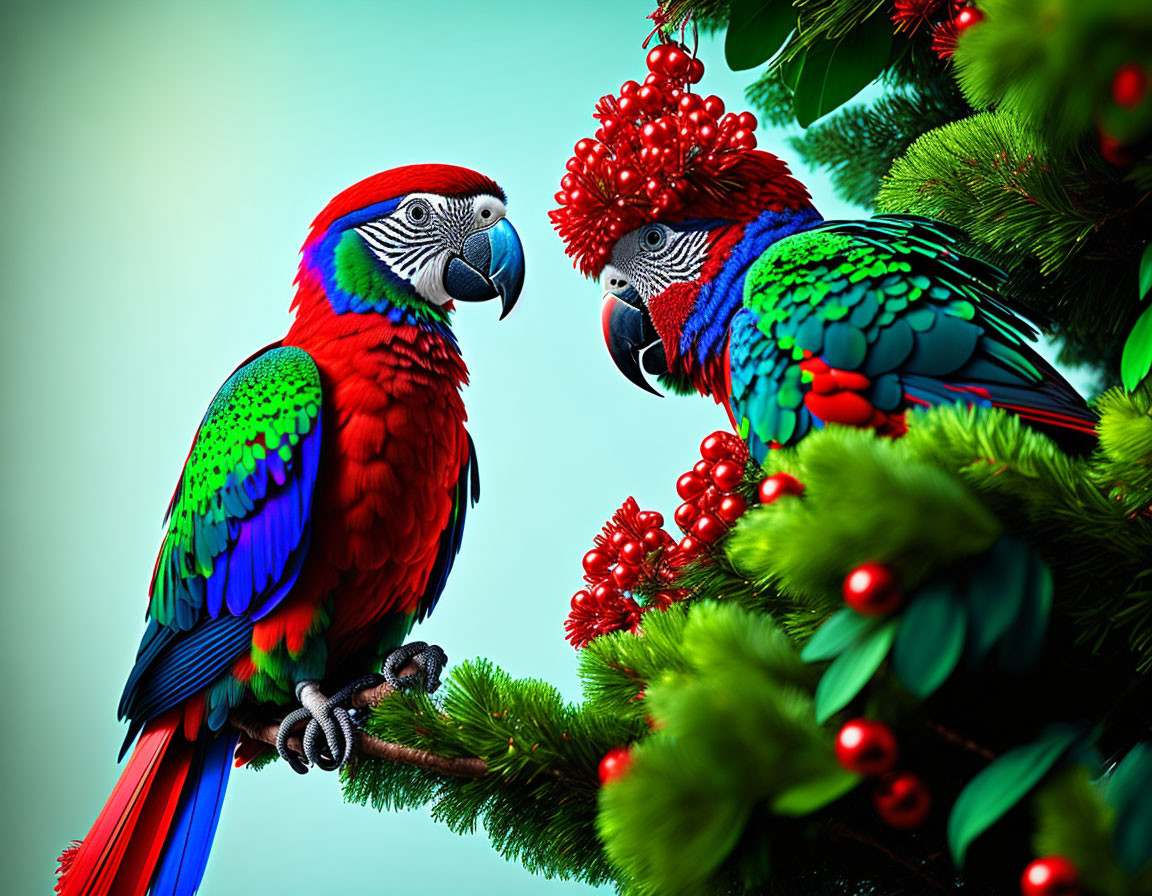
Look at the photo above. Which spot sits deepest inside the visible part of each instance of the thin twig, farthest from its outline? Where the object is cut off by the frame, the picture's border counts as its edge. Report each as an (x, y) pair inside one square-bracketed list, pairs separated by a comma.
[(959, 740), (258, 727)]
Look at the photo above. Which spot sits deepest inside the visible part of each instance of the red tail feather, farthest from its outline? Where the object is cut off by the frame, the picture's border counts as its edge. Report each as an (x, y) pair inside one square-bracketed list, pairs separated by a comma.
[(121, 850)]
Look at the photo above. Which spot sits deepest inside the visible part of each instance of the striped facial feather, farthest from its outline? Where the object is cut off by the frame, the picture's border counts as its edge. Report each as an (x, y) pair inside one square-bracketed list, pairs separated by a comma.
[(655, 256), (417, 239)]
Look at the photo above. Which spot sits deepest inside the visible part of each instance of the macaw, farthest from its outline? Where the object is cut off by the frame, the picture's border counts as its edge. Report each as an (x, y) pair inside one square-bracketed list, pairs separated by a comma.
[(721, 277), (316, 519)]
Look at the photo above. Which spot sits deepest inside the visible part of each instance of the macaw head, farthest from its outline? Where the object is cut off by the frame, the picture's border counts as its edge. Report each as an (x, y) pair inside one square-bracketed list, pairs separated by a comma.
[(411, 241), (668, 206)]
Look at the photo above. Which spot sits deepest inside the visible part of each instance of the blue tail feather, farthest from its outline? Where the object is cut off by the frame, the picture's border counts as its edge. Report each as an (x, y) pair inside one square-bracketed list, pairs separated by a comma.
[(185, 856)]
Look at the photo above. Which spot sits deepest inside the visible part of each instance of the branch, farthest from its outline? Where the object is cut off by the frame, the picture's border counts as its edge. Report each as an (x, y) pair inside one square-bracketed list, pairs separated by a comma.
[(257, 726)]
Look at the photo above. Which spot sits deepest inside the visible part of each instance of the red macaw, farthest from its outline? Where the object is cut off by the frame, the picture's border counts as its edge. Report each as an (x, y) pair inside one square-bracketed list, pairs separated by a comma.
[(316, 519)]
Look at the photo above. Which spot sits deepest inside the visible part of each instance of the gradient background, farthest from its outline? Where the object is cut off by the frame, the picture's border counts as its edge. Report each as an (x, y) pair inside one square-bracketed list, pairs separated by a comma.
[(161, 163)]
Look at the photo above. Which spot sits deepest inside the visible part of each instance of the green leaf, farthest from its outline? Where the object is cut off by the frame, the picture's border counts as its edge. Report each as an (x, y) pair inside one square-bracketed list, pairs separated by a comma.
[(808, 796), (996, 590), (839, 631), (756, 30), (1021, 645), (1146, 272), (931, 638), (1001, 786), (1137, 358), (835, 71), (851, 670), (791, 68), (1128, 790)]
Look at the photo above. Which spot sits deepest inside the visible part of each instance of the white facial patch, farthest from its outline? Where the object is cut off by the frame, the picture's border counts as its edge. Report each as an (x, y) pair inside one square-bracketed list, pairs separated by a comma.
[(654, 256), (417, 240)]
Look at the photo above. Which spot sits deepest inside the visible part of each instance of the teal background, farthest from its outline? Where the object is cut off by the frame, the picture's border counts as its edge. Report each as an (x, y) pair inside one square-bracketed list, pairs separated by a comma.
[(161, 164)]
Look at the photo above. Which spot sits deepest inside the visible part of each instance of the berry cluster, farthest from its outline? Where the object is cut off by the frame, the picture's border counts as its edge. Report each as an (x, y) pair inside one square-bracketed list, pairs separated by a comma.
[(710, 492), (661, 150), (632, 555), (868, 748)]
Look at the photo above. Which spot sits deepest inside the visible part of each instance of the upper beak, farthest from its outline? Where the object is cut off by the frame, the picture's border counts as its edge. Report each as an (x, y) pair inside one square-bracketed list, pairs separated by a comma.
[(491, 264), (632, 340)]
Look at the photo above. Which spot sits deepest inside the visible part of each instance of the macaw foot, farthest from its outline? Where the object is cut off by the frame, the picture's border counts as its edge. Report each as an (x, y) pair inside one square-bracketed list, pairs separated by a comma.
[(330, 736), (430, 659)]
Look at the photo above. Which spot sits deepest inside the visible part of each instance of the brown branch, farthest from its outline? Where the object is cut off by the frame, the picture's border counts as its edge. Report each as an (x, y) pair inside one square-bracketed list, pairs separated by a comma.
[(840, 829), (258, 726), (959, 740)]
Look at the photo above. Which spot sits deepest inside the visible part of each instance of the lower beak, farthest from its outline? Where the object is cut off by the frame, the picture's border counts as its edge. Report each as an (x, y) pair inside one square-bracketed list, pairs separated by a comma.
[(632, 340), (491, 264)]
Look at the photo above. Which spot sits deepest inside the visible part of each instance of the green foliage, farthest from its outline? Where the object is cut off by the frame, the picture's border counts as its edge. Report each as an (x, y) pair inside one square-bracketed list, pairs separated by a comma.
[(538, 801), (734, 732), (853, 669), (1075, 819), (931, 638), (835, 70), (991, 176), (1128, 789), (865, 499), (1050, 63), (1136, 360), (756, 30), (1001, 785)]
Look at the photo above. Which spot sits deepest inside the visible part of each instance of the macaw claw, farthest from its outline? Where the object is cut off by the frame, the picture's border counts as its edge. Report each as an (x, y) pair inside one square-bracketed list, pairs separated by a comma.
[(330, 736), (430, 659)]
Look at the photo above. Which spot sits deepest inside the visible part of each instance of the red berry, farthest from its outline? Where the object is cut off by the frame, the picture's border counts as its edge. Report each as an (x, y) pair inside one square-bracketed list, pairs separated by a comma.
[(676, 62), (685, 515), (654, 539), (690, 485), (625, 575), (746, 120), (689, 547), (695, 71), (703, 469), (579, 597), (583, 146), (967, 17), (727, 475), (689, 102), (732, 508), (596, 563), (604, 592), (656, 57), (744, 139), (871, 590), (1129, 85), (1050, 876), (714, 106), (707, 528), (628, 87), (651, 519), (779, 484), (632, 553), (902, 799), (614, 764), (716, 446), (866, 747), (650, 98)]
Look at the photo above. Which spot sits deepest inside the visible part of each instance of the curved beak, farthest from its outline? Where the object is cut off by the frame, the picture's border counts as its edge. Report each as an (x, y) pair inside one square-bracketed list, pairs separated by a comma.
[(491, 264), (632, 340)]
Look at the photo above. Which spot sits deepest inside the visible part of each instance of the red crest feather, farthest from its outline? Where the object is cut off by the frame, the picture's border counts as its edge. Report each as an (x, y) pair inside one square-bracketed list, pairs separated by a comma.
[(664, 153), (444, 180)]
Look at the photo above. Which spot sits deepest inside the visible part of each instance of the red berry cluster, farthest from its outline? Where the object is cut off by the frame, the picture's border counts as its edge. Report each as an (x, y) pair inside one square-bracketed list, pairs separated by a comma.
[(662, 151), (868, 747), (710, 492), (632, 554), (946, 33)]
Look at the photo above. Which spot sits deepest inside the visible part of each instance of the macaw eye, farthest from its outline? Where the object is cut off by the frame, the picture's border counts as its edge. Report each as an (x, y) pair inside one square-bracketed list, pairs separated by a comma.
[(653, 238), (418, 212)]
